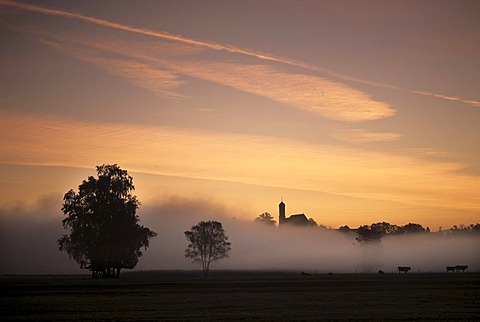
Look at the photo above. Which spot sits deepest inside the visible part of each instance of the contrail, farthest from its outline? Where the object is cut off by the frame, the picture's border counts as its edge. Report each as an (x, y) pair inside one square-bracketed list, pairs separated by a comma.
[(448, 98), (148, 32), (221, 47)]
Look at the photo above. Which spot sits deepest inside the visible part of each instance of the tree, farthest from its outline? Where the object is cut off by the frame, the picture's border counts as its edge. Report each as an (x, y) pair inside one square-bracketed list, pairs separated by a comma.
[(313, 223), (369, 235), (344, 229), (208, 243), (464, 229), (104, 232), (475, 228), (375, 232), (266, 219), (412, 228), (385, 228)]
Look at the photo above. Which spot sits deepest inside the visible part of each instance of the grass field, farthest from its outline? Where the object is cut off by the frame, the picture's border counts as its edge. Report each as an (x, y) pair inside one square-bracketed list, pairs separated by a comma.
[(228, 295)]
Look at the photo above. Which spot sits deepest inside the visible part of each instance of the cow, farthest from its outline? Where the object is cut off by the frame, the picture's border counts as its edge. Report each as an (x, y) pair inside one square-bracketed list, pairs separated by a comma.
[(462, 268), (403, 269), (381, 272)]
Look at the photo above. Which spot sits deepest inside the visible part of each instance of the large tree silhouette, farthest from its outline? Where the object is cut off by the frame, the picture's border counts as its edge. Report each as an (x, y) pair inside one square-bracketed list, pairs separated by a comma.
[(104, 232), (208, 243)]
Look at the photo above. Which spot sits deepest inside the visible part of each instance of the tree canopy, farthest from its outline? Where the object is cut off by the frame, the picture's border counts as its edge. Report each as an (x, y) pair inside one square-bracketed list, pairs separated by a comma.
[(373, 234), (105, 235), (208, 243), (464, 229), (265, 218)]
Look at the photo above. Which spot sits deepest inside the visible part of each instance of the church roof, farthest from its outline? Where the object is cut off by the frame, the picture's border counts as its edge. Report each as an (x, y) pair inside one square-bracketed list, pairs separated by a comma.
[(298, 219)]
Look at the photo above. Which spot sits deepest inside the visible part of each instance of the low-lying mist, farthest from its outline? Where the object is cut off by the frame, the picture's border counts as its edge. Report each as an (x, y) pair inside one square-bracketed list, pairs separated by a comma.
[(28, 243), (258, 246)]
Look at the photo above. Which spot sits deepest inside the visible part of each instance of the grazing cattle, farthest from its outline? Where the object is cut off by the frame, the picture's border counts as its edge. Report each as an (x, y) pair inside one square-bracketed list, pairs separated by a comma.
[(381, 272), (459, 268), (403, 269)]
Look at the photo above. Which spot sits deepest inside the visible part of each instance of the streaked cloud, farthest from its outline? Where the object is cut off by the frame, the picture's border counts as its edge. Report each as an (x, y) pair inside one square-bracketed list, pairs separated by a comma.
[(362, 136), (431, 152), (309, 93), (160, 74), (222, 47), (148, 32), (251, 159), (161, 82), (364, 184)]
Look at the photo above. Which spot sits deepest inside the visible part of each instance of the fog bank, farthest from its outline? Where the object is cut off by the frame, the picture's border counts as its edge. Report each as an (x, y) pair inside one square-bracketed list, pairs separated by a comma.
[(28, 239), (28, 243)]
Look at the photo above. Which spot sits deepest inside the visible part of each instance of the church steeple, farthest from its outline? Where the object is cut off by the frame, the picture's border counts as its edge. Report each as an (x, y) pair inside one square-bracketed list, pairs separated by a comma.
[(281, 213)]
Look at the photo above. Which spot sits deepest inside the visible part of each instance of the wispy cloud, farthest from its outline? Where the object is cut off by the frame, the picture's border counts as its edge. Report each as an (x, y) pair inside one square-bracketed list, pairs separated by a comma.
[(146, 32), (309, 93), (160, 73), (259, 160), (222, 47), (362, 136), (161, 82), (430, 152)]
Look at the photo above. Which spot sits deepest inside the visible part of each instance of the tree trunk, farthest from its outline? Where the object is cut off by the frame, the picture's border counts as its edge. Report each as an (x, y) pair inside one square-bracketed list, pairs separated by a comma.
[(205, 269)]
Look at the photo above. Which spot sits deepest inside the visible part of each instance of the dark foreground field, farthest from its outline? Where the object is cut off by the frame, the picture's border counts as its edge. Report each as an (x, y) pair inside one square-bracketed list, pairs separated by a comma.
[(242, 296)]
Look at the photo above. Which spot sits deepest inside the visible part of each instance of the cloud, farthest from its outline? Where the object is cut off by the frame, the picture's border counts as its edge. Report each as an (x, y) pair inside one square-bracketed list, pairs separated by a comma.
[(148, 32), (161, 82), (362, 136), (143, 63), (430, 152), (221, 47), (309, 93), (250, 159)]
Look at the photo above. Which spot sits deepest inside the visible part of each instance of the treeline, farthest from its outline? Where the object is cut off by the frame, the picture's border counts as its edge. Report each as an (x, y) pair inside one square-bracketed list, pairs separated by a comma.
[(472, 228), (374, 233)]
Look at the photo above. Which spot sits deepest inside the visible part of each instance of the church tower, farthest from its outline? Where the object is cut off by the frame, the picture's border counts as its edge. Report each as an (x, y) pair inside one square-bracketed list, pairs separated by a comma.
[(281, 213)]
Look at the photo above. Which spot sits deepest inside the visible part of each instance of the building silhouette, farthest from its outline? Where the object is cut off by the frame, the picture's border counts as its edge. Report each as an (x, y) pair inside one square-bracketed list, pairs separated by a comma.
[(293, 220)]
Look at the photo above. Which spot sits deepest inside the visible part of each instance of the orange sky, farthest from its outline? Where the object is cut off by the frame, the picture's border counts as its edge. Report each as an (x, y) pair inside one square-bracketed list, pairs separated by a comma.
[(353, 112)]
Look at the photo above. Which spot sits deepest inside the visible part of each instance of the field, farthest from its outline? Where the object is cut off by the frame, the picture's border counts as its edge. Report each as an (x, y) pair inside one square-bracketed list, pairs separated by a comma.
[(228, 295)]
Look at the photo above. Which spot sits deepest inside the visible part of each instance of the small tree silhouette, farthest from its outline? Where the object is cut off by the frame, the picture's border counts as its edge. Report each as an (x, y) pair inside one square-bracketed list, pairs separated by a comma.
[(265, 218), (208, 243), (412, 228)]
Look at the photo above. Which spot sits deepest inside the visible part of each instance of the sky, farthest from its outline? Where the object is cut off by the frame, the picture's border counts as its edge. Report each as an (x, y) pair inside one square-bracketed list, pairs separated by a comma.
[(351, 112)]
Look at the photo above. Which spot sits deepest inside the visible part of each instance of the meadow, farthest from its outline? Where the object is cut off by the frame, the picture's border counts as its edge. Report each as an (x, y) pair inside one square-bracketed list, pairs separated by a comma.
[(241, 295)]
